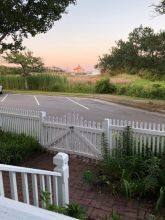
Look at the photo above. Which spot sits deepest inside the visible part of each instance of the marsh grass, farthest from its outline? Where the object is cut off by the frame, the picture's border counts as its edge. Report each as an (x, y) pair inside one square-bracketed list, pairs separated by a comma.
[(125, 84)]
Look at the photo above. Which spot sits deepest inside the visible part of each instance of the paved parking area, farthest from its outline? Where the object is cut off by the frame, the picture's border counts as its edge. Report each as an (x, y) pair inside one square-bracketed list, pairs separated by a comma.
[(90, 109)]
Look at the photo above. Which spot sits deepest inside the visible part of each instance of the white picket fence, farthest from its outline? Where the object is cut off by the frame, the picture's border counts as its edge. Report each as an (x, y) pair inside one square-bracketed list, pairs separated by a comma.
[(37, 181), (75, 135), (21, 121), (145, 136)]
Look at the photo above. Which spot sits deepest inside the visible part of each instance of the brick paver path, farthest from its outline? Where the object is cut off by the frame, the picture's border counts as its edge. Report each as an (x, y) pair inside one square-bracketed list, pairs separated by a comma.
[(96, 204)]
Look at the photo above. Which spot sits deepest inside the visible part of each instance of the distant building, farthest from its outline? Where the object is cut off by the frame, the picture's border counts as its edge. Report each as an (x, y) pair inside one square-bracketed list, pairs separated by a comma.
[(78, 69)]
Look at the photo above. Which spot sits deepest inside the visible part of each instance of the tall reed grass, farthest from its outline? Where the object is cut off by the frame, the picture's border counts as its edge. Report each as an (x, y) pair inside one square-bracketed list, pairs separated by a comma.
[(45, 82), (62, 83)]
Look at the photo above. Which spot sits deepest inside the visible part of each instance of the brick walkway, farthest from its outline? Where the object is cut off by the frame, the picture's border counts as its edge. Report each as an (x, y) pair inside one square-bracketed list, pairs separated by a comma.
[(96, 204)]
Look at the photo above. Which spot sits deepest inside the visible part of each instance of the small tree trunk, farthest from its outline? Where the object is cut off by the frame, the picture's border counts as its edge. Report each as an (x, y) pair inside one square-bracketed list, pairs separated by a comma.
[(26, 83)]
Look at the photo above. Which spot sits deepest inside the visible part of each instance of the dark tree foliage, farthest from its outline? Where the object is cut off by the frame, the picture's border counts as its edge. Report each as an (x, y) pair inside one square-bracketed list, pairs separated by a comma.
[(18, 18), (160, 8), (144, 50)]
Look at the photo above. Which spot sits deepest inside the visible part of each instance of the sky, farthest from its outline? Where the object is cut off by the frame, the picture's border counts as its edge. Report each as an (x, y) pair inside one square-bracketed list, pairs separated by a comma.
[(90, 29)]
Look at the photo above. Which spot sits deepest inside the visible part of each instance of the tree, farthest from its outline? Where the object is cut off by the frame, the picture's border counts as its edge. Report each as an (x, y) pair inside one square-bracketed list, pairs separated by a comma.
[(20, 18), (160, 8), (144, 50), (27, 61)]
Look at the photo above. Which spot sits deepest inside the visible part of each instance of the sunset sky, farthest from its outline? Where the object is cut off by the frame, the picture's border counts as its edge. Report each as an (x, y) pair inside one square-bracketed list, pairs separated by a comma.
[(90, 29)]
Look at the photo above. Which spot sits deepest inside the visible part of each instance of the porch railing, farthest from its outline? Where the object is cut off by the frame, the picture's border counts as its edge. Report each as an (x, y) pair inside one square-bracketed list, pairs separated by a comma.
[(28, 184)]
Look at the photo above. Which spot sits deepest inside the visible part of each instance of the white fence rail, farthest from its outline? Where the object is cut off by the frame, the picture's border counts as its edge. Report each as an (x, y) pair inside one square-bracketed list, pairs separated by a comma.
[(37, 181), (72, 134), (145, 136), (21, 121)]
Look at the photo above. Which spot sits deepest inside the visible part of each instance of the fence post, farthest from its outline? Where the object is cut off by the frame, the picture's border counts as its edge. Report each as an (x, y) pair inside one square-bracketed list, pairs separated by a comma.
[(108, 132), (41, 131), (61, 163)]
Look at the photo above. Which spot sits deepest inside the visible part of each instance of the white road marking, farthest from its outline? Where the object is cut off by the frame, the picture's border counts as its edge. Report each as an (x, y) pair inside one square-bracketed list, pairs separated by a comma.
[(4, 98), (77, 103), (36, 100)]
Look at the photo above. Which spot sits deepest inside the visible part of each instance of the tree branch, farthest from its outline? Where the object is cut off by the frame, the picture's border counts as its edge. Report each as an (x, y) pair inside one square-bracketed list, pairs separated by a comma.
[(3, 36)]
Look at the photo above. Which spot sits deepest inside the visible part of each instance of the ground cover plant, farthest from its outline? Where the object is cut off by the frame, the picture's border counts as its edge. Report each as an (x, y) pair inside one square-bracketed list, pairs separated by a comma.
[(121, 172), (16, 148)]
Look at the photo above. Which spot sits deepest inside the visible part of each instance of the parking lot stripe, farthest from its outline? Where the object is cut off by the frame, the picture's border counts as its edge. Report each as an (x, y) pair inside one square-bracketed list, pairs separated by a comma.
[(77, 103), (36, 100), (4, 98)]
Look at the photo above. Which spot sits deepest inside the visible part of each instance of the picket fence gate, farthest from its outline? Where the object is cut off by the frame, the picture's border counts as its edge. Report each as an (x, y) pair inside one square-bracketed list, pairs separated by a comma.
[(75, 135)]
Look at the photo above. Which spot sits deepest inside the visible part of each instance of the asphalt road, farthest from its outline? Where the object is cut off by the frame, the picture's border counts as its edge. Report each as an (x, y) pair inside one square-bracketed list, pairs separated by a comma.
[(90, 109)]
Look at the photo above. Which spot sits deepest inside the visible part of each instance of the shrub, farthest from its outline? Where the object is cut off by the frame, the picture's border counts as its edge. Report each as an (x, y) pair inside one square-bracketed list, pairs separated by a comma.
[(143, 90), (15, 148), (104, 86)]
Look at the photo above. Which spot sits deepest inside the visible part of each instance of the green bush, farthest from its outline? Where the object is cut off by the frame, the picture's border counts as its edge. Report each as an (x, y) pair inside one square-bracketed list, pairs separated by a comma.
[(143, 89), (104, 86), (15, 148), (135, 176)]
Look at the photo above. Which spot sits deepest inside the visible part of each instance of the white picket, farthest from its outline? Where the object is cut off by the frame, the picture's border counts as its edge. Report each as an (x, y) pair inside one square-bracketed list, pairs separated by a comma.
[(25, 187), (2, 193), (35, 189), (13, 185), (46, 129)]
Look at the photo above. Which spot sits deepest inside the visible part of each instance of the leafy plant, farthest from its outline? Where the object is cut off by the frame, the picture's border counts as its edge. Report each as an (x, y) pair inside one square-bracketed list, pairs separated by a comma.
[(75, 210), (127, 188), (109, 165), (45, 196), (127, 142), (89, 177), (58, 209), (161, 199)]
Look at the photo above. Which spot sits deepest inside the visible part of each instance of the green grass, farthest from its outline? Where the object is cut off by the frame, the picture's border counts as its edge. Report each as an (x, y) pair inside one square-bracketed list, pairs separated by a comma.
[(143, 89)]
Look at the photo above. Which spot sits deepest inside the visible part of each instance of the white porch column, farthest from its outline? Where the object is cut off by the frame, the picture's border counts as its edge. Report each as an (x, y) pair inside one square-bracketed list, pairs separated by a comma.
[(61, 163)]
